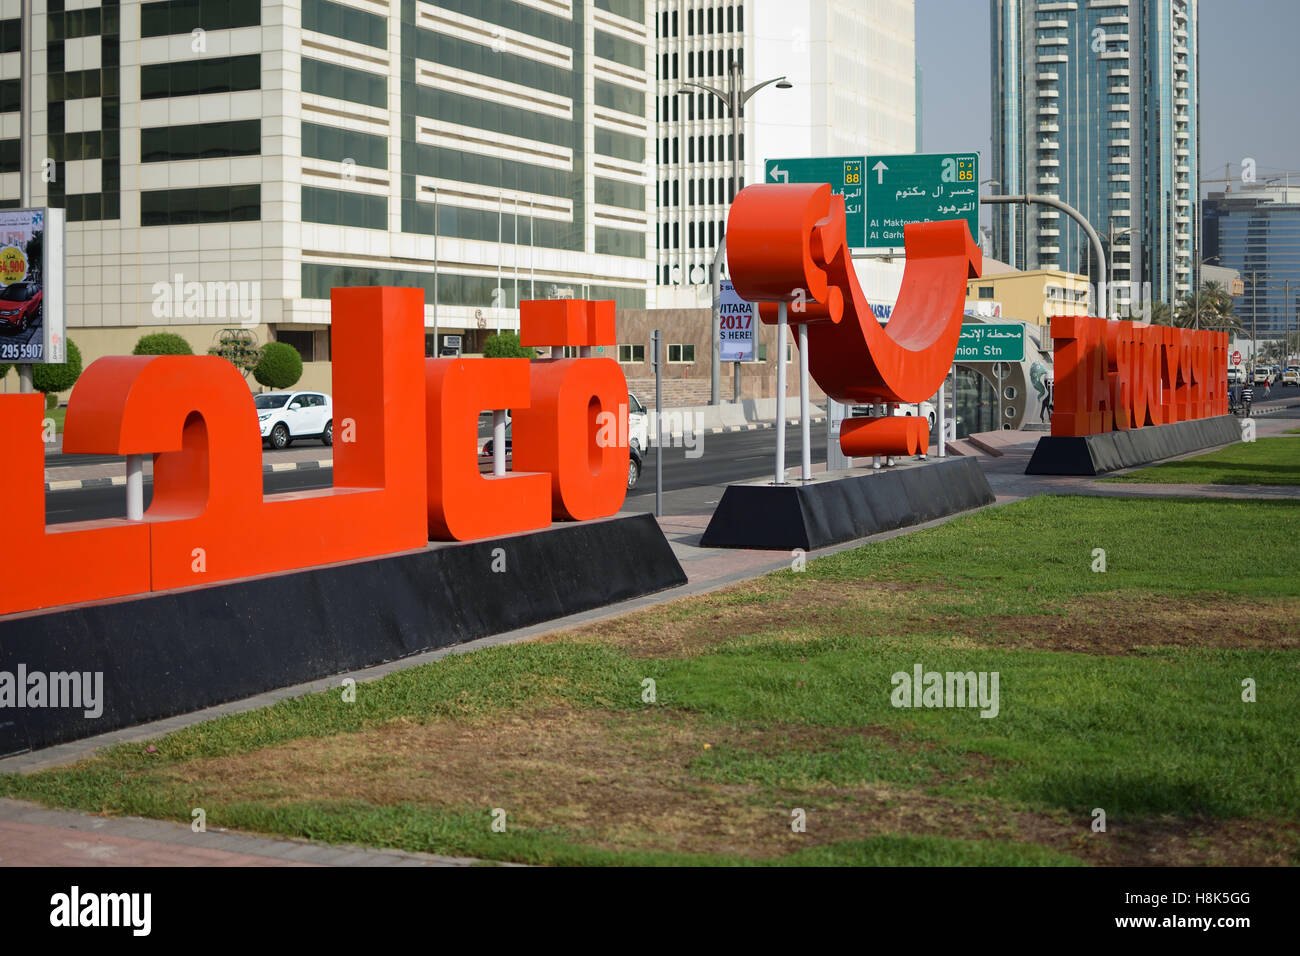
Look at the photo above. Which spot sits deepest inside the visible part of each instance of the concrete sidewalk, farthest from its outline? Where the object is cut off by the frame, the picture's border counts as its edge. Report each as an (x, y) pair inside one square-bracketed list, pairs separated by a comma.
[(30, 835)]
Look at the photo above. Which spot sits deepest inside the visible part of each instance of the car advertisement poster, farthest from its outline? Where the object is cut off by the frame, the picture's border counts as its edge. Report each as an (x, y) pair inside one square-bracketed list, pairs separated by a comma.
[(31, 286), (737, 319)]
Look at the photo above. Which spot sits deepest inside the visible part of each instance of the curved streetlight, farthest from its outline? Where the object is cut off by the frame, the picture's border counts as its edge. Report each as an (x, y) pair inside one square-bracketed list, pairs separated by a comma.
[(734, 99)]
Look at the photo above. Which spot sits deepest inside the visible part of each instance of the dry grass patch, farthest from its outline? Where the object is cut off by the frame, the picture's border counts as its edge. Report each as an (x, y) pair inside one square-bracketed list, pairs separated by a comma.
[(1122, 623), (620, 781), (696, 626)]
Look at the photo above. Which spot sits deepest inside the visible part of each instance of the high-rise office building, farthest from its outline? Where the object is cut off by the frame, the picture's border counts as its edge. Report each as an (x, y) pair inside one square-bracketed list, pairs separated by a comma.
[(1257, 232), (226, 162), (1094, 102), (851, 67)]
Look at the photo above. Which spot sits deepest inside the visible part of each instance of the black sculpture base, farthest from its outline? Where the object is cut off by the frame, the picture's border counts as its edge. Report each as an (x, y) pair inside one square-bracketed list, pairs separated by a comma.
[(175, 652), (1111, 451), (842, 506)]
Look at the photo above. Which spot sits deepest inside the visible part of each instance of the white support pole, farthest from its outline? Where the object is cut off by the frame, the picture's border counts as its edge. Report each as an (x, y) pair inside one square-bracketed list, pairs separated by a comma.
[(499, 441), (135, 487), (780, 391), (805, 420), (943, 416)]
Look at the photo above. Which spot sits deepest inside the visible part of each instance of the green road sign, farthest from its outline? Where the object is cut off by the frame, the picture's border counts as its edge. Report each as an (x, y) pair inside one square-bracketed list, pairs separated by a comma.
[(844, 173), (988, 342), (920, 187)]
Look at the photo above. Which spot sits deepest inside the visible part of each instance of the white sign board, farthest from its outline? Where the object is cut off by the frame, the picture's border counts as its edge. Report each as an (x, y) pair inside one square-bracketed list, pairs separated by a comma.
[(738, 320), (31, 286)]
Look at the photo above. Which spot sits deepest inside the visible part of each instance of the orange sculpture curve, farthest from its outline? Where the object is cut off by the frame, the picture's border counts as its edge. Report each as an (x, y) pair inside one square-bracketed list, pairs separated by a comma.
[(786, 243)]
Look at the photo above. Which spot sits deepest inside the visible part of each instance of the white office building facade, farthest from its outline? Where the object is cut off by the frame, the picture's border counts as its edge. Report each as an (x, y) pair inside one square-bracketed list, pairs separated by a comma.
[(224, 164)]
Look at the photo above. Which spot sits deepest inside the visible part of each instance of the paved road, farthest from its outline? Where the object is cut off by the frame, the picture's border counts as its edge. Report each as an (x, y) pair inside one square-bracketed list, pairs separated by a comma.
[(693, 482)]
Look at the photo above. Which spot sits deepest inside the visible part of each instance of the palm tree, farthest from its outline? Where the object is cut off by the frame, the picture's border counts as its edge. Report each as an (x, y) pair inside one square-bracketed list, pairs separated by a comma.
[(1216, 310)]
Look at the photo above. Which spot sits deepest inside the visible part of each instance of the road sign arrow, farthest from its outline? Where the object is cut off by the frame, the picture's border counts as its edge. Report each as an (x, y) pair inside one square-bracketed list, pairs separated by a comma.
[(780, 175), (879, 170)]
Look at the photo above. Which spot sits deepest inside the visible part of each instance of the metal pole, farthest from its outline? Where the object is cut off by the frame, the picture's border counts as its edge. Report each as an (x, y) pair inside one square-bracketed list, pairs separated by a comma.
[(1099, 254), (943, 416), (25, 144), (437, 348), (715, 364), (135, 487), (805, 420), (499, 441), (516, 256), (781, 318), (532, 252), (500, 291), (656, 347)]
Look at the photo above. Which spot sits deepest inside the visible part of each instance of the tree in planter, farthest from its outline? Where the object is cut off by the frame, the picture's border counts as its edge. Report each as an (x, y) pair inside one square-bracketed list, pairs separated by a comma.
[(239, 348), (162, 343), (506, 345), (58, 378), (280, 366)]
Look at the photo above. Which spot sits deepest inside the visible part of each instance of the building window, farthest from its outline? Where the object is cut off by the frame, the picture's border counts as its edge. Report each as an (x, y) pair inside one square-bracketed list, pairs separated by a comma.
[(334, 19), (223, 74), (344, 83), (203, 141), (631, 353), (304, 342), (178, 207), (681, 354), (172, 17), (337, 207), (986, 292), (337, 145)]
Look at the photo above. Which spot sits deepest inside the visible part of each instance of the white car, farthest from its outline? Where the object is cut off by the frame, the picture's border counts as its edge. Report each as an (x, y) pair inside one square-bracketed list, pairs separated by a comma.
[(1236, 375), (638, 424), (285, 417), (1291, 376), (1263, 375)]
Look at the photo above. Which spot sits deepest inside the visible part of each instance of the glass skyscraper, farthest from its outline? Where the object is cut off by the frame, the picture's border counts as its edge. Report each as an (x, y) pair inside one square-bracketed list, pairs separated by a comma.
[(1094, 103), (1257, 232)]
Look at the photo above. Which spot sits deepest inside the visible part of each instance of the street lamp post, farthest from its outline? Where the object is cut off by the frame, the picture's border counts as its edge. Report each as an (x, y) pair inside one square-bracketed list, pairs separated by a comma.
[(734, 99), (1093, 238), (1110, 248)]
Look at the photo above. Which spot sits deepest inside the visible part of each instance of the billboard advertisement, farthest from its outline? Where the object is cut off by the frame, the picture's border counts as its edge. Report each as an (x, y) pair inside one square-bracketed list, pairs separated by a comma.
[(737, 326), (31, 286)]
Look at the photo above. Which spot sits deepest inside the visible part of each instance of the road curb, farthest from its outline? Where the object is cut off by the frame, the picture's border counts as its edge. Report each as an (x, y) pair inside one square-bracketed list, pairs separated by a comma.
[(116, 481)]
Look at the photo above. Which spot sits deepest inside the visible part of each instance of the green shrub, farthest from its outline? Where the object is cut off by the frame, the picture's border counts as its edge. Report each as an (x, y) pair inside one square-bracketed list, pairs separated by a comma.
[(58, 378), (162, 343), (506, 345), (280, 366), (51, 400), (4, 370)]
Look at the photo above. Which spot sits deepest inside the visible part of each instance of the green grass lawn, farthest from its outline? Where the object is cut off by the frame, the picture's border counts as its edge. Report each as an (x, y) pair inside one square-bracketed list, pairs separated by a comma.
[(1119, 690), (1268, 461), (57, 414)]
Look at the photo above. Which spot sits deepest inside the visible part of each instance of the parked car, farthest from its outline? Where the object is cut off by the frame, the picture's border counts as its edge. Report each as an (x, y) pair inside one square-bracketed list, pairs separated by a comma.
[(21, 305), (285, 417), (487, 455), (1263, 375), (1291, 376), (638, 424), (1236, 375)]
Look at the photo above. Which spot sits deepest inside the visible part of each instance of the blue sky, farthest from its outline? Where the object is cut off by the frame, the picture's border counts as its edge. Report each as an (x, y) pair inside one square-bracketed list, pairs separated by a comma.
[(1250, 82)]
